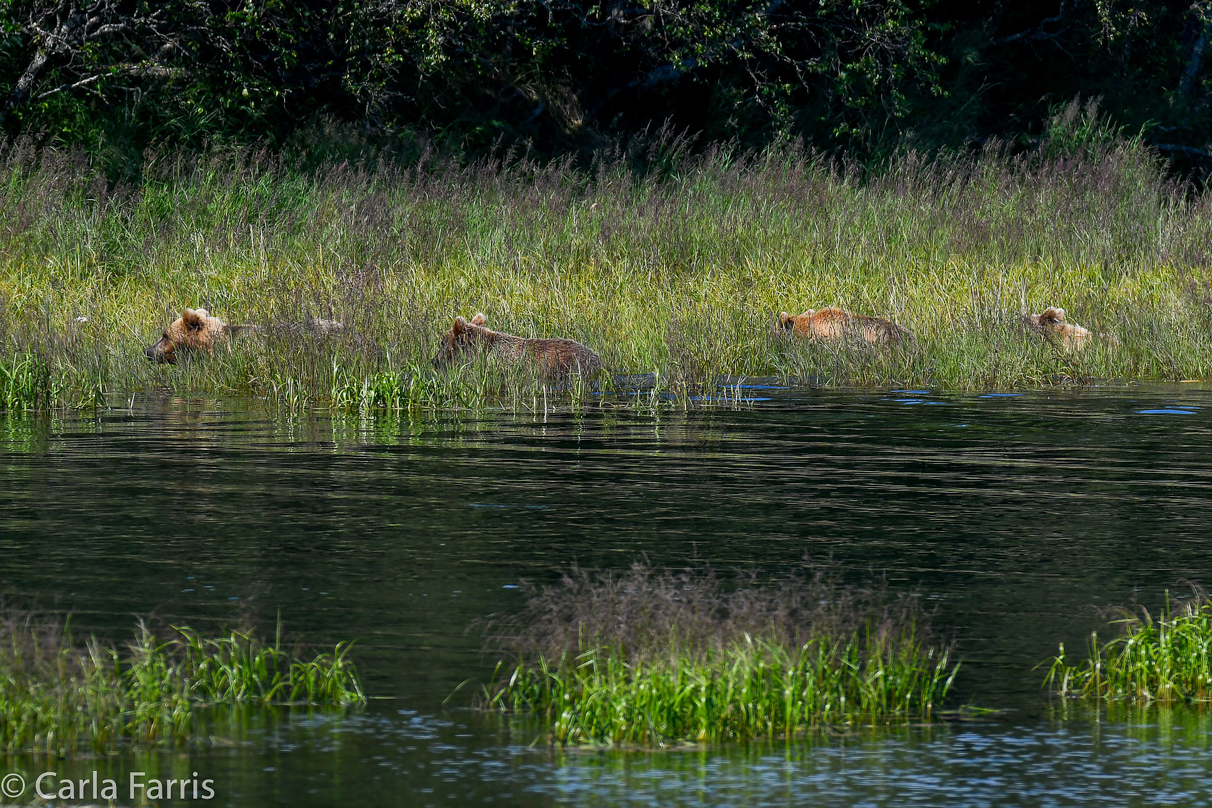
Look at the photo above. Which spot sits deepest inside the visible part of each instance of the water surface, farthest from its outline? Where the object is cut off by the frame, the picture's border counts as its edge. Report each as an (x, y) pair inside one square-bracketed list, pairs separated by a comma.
[(1014, 515)]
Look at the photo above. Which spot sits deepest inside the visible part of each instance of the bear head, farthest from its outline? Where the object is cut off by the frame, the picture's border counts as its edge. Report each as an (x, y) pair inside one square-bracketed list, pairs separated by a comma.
[(194, 330), (787, 323), (461, 336), (1052, 315)]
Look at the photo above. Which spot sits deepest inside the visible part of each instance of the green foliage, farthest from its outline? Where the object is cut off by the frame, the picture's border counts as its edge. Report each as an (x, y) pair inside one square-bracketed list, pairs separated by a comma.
[(1075, 129), (60, 697), (1166, 660), (751, 689), (26, 384), (654, 656), (675, 281), (860, 77)]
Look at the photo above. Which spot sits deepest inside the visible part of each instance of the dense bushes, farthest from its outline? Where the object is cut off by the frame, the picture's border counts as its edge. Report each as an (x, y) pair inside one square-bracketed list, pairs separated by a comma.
[(859, 76)]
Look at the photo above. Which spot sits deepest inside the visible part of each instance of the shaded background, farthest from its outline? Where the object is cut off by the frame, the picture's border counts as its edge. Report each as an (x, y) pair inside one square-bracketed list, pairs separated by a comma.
[(569, 77)]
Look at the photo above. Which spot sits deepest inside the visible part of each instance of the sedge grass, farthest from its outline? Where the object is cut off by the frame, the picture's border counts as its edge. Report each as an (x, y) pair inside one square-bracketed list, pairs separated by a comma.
[(653, 657), (678, 276), (25, 384), (60, 697), (1164, 660)]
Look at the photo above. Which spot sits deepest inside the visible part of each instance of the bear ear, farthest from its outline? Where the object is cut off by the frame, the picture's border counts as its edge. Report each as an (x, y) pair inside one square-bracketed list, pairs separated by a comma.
[(193, 318), (479, 319), (460, 325), (785, 319), (808, 313), (1052, 313)]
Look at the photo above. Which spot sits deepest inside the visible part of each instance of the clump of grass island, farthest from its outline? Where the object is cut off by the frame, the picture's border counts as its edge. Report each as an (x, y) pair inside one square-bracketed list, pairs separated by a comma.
[(60, 696), (1162, 660), (653, 656)]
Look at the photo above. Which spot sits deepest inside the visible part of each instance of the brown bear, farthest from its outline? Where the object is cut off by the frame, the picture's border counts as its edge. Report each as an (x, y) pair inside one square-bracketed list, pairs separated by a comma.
[(1052, 325), (832, 324), (550, 357), (194, 330), (197, 330)]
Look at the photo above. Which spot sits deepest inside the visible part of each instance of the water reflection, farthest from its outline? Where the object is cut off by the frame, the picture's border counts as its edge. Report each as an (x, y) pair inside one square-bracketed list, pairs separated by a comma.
[(400, 756), (1014, 515)]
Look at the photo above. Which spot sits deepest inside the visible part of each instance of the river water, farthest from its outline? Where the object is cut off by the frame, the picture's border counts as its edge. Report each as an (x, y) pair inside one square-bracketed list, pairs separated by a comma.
[(1015, 516)]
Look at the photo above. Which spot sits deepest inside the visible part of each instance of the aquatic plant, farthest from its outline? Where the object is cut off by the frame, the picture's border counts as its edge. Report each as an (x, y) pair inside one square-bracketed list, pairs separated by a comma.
[(25, 383), (1163, 660), (674, 277), (651, 657), (59, 696)]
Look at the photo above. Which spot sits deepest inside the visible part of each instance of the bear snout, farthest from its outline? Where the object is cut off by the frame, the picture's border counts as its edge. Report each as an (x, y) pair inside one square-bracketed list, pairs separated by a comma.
[(160, 352)]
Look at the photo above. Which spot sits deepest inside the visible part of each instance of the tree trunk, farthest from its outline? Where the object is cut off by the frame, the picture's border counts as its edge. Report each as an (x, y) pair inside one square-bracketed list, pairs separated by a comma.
[(1195, 64), (25, 84)]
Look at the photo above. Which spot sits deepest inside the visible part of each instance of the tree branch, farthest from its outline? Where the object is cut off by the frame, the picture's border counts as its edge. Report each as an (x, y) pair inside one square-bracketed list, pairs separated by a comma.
[(1186, 151), (1037, 33)]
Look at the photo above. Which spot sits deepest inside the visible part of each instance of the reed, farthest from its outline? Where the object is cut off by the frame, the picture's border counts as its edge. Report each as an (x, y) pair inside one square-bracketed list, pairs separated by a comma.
[(654, 657), (1164, 660), (676, 277), (59, 696)]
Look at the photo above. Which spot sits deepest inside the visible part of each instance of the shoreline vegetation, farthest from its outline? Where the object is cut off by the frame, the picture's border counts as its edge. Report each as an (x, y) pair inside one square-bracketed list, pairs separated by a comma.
[(1160, 660), (62, 696), (676, 274), (652, 657)]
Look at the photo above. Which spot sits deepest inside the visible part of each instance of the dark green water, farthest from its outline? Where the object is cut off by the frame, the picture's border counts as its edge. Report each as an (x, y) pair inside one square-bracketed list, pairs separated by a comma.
[(1015, 516)]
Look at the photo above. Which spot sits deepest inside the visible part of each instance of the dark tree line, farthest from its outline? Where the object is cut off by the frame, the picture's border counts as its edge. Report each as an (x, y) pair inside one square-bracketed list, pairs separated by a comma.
[(854, 76)]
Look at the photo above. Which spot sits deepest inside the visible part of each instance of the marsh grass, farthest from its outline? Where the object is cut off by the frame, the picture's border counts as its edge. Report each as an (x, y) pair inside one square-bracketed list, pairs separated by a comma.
[(60, 696), (26, 384), (1162, 660), (653, 657), (677, 276)]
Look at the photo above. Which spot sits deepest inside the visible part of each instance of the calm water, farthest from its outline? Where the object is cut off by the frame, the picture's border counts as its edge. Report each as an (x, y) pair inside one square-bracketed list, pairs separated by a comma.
[(1014, 515)]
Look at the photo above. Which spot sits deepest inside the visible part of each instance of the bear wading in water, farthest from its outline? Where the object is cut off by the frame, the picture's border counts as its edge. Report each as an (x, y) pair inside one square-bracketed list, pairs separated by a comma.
[(194, 330), (835, 325), (198, 330), (549, 357)]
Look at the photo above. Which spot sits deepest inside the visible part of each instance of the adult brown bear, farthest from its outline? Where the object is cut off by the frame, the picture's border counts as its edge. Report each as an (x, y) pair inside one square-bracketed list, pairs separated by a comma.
[(834, 325), (549, 357)]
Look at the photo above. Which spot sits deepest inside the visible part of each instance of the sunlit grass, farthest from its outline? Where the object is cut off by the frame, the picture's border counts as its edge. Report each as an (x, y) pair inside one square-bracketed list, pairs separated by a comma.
[(652, 658), (25, 383), (678, 277), (1165, 659), (750, 689), (60, 697)]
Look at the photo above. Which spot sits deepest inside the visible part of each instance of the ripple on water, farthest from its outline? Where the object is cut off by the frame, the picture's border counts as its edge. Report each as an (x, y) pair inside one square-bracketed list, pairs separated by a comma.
[(988, 766), (1013, 520)]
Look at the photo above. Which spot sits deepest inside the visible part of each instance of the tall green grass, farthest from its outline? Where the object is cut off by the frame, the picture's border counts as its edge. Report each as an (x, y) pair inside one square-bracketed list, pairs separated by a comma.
[(25, 383), (1154, 660), (660, 657), (750, 689), (678, 277), (61, 697)]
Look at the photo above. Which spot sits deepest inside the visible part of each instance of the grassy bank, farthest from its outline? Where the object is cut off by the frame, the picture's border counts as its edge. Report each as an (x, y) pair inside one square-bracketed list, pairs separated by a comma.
[(680, 275), (1164, 660), (650, 657), (61, 696)]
